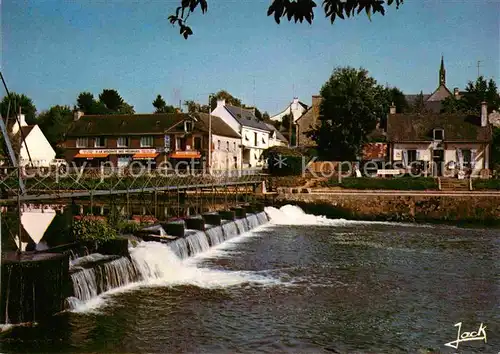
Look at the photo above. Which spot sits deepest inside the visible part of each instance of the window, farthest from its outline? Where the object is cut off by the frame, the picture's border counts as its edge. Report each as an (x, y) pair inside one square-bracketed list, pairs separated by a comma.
[(218, 144), (146, 141), (234, 146), (255, 139), (227, 145), (438, 134), (122, 142), (100, 142), (82, 142), (188, 126), (263, 140), (412, 156), (467, 158), (197, 143), (178, 143)]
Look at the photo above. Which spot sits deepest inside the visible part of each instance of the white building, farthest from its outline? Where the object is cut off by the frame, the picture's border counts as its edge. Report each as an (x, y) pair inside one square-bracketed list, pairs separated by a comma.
[(275, 137), (35, 142), (296, 108), (226, 151), (255, 135), (449, 143)]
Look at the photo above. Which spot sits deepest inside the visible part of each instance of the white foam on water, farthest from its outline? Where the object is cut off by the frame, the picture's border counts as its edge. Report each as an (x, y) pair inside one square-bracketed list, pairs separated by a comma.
[(294, 215)]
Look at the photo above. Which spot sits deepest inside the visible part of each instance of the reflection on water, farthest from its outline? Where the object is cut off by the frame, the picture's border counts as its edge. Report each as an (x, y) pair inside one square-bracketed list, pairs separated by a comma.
[(336, 287)]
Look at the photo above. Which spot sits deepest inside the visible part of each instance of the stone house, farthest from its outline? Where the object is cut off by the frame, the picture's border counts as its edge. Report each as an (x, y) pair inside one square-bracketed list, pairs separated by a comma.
[(447, 143), (307, 122)]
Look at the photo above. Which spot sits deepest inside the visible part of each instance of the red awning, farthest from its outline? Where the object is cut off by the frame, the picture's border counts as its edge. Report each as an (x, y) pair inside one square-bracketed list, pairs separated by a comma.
[(90, 156), (145, 156), (185, 155)]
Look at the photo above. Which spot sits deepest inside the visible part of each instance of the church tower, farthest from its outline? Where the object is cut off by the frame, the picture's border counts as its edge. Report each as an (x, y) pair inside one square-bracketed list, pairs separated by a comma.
[(442, 73)]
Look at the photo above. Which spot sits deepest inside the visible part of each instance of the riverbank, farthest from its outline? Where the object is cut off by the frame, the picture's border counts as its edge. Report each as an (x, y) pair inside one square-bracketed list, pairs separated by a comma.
[(456, 208)]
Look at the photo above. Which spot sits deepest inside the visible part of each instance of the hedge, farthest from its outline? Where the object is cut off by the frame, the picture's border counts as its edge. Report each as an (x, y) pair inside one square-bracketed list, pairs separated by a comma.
[(402, 183), (484, 184)]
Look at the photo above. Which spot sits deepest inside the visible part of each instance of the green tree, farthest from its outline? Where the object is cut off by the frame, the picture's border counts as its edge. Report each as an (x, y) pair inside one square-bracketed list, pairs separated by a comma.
[(298, 10), (352, 105), (475, 93), (495, 150), (54, 123), (397, 97), (194, 107), (85, 101), (27, 107), (418, 106), (224, 95), (111, 99), (161, 106), (265, 116), (125, 108)]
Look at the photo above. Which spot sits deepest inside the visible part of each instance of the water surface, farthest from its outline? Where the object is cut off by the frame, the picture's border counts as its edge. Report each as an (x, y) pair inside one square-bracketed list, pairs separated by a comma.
[(317, 286)]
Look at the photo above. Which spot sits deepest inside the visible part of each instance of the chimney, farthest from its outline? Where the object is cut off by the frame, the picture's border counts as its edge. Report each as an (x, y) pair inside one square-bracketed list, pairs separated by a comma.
[(77, 115), (456, 92), (22, 120), (392, 109), (295, 103), (316, 101), (484, 114), (221, 103)]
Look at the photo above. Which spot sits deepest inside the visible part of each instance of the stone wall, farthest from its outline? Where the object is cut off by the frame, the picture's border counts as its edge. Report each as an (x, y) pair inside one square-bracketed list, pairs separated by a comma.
[(402, 208)]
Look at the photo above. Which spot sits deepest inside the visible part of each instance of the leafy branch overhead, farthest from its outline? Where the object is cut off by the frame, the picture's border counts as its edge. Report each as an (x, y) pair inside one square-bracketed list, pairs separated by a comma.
[(297, 10)]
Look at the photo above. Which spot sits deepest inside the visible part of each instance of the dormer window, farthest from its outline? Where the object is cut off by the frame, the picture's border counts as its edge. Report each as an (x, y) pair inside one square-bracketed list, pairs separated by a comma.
[(188, 126), (438, 134)]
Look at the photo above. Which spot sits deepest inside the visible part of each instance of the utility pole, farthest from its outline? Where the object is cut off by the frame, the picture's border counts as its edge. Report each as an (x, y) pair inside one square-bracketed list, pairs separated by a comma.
[(209, 134), (478, 66), (19, 214)]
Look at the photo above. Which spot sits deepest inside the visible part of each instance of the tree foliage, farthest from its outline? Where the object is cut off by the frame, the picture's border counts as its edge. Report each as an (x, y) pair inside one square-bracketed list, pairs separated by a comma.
[(194, 107), (296, 10), (353, 103), (10, 111), (109, 102), (54, 123), (161, 106), (475, 93)]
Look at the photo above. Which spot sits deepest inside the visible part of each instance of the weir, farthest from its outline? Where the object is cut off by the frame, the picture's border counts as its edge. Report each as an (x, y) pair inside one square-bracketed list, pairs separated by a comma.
[(95, 274)]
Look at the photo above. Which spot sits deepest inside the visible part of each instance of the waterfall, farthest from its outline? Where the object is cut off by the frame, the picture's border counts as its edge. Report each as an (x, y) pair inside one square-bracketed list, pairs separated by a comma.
[(198, 242), (149, 261), (242, 225), (216, 235), (230, 230), (180, 247), (90, 282), (253, 221)]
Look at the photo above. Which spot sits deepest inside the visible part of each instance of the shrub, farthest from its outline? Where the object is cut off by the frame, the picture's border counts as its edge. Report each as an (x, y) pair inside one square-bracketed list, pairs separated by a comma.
[(483, 184), (404, 183), (90, 229), (283, 161)]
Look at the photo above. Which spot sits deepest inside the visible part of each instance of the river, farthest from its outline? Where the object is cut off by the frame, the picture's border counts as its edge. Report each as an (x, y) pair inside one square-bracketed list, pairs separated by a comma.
[(299, 284)]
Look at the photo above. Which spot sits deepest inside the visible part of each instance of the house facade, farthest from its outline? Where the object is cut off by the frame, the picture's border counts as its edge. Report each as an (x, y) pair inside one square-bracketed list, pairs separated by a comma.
[(296, 108), (255, 135), (35, 147), (226, 143), (448, 144), (307, 122)]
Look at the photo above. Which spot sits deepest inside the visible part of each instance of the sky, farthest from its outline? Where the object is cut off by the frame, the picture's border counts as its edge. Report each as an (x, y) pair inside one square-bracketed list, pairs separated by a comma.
[(52, 50)]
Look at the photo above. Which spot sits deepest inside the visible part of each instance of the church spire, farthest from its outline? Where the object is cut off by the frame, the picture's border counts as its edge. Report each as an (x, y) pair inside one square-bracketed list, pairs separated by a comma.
[(442, 73)]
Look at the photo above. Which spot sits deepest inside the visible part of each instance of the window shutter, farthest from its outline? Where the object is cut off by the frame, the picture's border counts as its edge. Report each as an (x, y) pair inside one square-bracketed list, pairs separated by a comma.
[(418, 155)]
